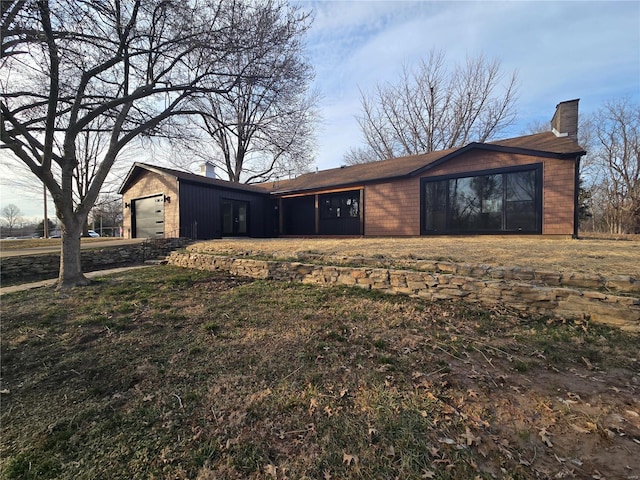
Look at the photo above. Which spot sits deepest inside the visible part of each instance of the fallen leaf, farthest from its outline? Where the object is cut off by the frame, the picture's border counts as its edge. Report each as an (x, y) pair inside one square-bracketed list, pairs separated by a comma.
[(428, 474), (470, 438), (448, 441), (349, 459), (592, 426), (271, 470), (313, 404), (580, 429), (545, 437), (327, 475), (574, 396)]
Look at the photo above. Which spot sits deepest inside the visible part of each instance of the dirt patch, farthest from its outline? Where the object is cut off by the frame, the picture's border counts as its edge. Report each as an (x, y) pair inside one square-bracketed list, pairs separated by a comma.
[(166, 373)]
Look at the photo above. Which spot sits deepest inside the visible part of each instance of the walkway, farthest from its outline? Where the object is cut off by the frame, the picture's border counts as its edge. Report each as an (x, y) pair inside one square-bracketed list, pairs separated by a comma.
[(52, 281)]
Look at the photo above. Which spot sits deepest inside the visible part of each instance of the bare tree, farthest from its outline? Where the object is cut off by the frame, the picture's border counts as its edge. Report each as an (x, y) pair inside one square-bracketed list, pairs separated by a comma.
[(106, 215), (120, 67), (431, 108), (263, 127), (616, 157), (12, 216)]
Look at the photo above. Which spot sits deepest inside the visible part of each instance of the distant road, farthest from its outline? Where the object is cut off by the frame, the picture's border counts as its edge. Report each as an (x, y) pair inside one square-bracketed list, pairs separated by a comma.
[(92, 243)]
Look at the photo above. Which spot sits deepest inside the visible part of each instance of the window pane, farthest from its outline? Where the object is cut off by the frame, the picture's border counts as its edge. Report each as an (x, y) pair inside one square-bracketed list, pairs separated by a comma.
[(476, 203), (436, 206), (491, 205), (464, 203), (521, 201)]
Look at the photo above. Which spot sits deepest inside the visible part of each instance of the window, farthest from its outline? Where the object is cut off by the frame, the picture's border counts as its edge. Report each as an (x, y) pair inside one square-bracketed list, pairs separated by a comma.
[(340, 205), (494, 202)]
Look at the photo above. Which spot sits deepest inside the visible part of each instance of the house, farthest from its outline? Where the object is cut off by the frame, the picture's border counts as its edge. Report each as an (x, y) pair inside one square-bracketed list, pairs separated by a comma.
[(522, 185), (163, 202)]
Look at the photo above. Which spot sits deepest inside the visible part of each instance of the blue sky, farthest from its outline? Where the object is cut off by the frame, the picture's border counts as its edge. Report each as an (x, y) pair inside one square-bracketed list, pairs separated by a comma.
[(561, 50)]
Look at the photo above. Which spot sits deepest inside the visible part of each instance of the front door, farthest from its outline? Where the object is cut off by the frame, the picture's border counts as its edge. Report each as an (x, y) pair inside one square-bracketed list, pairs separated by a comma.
[(235, 218)]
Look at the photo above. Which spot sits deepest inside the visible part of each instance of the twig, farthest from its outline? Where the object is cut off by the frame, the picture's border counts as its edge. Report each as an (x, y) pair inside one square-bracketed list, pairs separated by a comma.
[(435, 371), (179, 400), (292, 373), (213, 412), (451, 354), (485, 357)]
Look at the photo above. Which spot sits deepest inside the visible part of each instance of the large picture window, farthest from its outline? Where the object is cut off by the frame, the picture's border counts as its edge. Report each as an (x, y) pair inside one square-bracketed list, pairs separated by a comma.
[(491, 202)]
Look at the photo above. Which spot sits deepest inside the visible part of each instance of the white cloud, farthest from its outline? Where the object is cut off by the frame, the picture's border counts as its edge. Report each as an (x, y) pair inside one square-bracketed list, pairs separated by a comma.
[(561, 50)]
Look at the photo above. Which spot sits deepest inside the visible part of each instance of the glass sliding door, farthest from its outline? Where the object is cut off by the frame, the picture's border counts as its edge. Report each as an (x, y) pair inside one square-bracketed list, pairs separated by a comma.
[(495, 202), (520, 200)]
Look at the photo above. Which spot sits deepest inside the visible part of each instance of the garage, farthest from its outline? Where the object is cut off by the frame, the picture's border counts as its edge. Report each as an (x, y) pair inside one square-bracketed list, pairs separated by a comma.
[(149, 217)]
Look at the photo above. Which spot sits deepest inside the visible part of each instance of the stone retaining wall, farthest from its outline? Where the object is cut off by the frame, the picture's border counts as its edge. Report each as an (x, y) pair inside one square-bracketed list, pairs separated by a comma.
[(44, 266), (481, 286)]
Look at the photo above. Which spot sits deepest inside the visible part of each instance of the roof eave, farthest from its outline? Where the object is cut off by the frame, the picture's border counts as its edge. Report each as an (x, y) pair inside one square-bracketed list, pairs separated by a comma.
[(136, 166), (497, 148), (339, 185)]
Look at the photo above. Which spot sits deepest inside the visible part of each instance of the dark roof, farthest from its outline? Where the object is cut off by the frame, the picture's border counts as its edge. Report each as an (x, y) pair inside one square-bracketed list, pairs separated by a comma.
[(545, 144), (540, 144), (189, 177), (565, 147)]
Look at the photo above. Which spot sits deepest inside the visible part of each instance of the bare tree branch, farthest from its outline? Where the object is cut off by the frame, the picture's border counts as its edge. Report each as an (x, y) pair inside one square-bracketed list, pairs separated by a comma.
[(432, 109), (88, 78)]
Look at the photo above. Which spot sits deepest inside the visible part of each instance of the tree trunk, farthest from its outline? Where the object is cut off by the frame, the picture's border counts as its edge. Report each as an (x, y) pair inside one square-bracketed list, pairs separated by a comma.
[(70, 267)]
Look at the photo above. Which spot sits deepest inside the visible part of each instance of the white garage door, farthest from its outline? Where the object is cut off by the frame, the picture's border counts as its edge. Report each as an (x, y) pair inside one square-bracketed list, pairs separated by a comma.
[(149, 217)]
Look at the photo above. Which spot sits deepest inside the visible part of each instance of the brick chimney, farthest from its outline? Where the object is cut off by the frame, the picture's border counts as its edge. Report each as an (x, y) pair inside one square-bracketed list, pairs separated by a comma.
[(565, 120)]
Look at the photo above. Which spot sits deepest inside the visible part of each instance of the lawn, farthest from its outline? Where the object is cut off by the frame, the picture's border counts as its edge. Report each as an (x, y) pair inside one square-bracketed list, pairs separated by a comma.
[(169, 373), (604, 256)]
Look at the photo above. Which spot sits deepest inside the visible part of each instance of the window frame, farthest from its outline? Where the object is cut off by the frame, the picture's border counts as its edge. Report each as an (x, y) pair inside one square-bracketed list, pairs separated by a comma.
[(537, 168), (345, 200)]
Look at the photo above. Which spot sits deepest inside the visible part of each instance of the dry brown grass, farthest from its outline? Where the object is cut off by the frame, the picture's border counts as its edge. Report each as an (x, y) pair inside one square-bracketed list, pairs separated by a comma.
[(174, 374), (590, 255)]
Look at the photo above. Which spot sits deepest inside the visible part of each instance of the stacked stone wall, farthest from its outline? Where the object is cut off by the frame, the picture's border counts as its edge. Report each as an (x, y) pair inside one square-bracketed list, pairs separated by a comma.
[(37, 267), (570, 296)]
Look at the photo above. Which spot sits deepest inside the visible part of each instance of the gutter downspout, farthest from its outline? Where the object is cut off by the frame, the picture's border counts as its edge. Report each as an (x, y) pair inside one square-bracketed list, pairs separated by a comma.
[(576, 199)]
